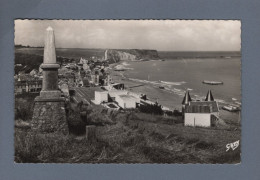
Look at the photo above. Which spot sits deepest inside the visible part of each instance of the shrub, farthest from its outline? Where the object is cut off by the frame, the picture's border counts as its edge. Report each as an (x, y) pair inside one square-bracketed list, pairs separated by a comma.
[(24, 106), (151, 109)]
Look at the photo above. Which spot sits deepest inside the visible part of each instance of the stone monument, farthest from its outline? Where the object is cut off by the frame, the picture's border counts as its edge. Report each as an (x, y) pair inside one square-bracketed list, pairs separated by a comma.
[(49, 114)]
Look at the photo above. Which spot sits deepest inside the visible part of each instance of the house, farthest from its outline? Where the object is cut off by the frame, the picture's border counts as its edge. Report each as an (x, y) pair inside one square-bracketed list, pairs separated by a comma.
[(100, 97), (119, 98), (115, 93), (124, 98), (107, 80), (33, 72), (95, 79), (200, 113), (126, 101), (34, 86), (83, 61)]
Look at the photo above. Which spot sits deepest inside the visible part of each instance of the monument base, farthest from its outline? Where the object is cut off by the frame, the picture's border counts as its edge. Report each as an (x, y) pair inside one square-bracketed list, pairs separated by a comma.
[(49, 94), (49, 116)]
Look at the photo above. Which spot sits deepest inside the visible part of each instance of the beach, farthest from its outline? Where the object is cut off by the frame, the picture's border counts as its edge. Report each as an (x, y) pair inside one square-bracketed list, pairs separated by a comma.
[(144, 77)]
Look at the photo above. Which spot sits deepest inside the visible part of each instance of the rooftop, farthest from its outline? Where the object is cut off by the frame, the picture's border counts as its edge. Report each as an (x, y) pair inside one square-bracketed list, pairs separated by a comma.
[(127, 97), (202, 107), (86, 94)]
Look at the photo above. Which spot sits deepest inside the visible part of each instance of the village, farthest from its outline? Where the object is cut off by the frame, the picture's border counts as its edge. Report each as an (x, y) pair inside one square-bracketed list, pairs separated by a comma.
[(88, 81)]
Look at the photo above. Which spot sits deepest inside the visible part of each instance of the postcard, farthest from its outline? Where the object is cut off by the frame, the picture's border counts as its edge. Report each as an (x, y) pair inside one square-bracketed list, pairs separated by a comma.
[(127, 91)]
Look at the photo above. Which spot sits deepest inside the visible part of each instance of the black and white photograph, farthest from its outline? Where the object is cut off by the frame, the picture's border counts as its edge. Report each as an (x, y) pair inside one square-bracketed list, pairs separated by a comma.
[(127, 91)]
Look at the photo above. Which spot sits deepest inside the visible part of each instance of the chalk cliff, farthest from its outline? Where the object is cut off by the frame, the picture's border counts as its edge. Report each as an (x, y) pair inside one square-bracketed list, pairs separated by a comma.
[(114, 55)]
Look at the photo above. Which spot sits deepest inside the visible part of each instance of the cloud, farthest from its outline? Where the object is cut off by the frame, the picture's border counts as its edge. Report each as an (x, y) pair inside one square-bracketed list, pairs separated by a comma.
[(168, 35)]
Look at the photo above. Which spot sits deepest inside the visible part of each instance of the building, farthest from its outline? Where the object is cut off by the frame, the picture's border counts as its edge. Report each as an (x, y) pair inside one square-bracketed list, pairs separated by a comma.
[(107, 80), (34, 72), (100, 97), (115, 93), (126, 101), (34, 86), (122, 98), (86, 67), (200, 113), (83, 61), (95, 79)]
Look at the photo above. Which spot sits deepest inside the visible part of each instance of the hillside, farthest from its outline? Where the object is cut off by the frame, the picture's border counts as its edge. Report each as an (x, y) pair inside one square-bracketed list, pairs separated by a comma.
[(129, 137), (114, 55)]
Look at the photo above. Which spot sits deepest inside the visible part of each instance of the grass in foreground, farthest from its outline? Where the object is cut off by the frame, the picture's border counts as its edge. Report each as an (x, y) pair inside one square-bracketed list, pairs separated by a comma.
[(130, 137)]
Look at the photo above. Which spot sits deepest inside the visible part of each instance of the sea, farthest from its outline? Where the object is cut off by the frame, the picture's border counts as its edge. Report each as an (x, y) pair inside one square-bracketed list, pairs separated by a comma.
[(179, 75)]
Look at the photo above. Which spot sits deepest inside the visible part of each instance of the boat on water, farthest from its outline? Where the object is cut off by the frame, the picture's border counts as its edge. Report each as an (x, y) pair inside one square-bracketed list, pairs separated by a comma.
[(161, 87), (231, 108), (212, 82)]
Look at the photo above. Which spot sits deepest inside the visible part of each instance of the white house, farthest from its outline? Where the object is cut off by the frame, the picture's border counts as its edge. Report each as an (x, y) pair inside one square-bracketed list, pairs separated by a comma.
[(126, 101), (114, 93), (124, 98), (200, 113), (100, 96)]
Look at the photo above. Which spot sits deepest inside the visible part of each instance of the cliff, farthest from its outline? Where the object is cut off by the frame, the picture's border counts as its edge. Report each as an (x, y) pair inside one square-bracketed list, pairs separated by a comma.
[(113, 55)]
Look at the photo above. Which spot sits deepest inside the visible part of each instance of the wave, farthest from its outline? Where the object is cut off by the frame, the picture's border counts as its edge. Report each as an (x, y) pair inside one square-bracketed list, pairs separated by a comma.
[(173, 83), (159, 83)]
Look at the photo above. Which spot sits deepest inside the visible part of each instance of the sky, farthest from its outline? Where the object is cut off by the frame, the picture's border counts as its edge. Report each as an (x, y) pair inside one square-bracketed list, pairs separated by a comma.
[(162, 35)]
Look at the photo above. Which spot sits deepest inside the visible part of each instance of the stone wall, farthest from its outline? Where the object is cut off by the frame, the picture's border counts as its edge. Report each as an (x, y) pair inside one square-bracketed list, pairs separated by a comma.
[(50, 117)]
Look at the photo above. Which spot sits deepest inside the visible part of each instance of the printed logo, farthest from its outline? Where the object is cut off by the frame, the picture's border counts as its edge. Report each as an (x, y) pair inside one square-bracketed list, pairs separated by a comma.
[(232, 146)]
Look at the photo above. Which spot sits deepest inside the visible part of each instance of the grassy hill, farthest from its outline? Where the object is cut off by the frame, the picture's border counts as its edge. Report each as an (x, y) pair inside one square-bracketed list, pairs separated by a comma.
[(130, 137)]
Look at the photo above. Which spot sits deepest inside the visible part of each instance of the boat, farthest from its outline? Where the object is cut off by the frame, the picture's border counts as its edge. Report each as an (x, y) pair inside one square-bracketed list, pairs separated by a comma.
[(231, 108), (212, 82), (161, 87), (239, 103)]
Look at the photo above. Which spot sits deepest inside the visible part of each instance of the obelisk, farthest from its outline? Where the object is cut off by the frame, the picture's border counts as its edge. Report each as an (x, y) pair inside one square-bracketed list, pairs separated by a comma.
[(49, 108)]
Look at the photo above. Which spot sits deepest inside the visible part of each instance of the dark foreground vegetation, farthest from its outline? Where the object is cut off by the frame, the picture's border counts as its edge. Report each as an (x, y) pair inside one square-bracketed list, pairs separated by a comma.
[(127, 137)]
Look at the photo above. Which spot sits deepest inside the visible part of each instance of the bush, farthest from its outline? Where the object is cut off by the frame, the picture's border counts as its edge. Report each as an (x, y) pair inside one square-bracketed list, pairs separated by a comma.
[(151, 109), (24, 106)]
